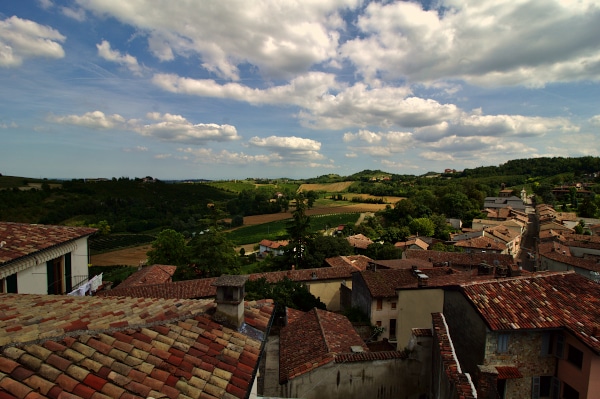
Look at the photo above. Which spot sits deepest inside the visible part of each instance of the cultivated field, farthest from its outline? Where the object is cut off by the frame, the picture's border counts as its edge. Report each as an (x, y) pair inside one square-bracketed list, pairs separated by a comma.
[(133, 256), (329, 187)]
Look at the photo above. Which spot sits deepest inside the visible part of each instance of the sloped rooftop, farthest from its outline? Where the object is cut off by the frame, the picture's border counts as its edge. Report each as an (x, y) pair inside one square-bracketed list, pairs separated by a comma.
[(153, 274), (383, 283), (93, 347), (325, 335), (204, 288), (547, 300), (22, 239)]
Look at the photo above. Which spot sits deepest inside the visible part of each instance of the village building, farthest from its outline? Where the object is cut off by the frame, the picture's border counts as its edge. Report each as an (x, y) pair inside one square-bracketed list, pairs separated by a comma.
[(43, 259), (528, 337)]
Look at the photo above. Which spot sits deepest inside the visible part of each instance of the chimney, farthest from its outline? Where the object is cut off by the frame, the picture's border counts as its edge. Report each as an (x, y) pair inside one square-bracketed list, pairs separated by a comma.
[(230, 300)]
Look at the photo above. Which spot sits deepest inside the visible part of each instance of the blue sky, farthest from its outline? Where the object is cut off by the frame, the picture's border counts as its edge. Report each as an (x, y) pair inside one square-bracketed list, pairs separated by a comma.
[(236, 89)]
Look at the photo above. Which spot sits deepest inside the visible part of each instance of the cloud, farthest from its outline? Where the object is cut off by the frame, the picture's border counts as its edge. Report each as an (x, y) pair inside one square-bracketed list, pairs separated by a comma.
[(279, 39), (209, 156), (176, 128), (165, 127), (22, 39), (324, 102), (76, 14), (138, 148), (292, 149), (595, 120), (130, 62), (94, 120), (486, 43)]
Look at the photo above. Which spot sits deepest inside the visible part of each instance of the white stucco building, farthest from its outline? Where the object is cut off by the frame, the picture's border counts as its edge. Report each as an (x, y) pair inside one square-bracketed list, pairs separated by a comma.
[(42, 259)]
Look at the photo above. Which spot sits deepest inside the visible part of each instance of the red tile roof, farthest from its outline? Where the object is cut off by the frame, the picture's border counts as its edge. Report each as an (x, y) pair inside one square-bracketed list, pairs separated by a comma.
[(359, 241), (383, 283), (91, 347), (154, 274), (458, 259), (508, 372), (203, 288), (481, 242), (359, 262), (22, 239), (325, 335), (544, 300)]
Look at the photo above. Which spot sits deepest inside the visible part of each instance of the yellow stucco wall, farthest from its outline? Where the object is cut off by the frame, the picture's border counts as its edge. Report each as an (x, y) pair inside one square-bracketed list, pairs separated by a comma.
[(414, 311)]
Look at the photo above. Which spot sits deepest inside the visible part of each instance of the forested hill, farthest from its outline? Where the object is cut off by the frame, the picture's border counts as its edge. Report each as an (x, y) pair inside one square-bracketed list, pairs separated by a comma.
[(538, 167)]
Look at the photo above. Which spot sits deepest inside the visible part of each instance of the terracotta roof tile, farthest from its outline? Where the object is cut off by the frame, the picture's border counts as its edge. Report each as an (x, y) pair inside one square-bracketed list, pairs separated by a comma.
[(462, 384), (156, 353), (25, 239), (325, 335), (148, 275), (508, 372), (383, 283)]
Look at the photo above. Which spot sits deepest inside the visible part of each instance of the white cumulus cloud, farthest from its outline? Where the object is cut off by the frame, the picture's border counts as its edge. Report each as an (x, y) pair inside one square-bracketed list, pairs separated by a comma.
[(130, 62), (22, 39)]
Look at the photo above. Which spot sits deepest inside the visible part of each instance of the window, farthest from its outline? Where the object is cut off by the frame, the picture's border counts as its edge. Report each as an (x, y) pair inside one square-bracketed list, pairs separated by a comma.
[(575, 356), (393, 305), (545, 386), (378, 322), (560, 346), (569, 392), (11, 284), (379, 304), (547, 344), (502, 343), (54, 273)]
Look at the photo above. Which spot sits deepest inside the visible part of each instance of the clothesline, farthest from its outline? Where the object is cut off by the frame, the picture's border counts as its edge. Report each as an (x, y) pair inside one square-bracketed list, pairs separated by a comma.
[(90, 287)]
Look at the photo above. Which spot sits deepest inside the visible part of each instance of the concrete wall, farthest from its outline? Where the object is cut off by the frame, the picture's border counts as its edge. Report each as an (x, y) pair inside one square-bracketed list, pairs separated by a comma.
[(414, 311), (381, 379)]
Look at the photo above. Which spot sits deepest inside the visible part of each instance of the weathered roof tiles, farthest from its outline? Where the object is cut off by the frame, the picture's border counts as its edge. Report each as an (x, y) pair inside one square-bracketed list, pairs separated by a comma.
[(162, 348)]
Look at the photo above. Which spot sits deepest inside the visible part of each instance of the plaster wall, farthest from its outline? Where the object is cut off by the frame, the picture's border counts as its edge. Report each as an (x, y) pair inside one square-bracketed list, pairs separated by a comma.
[(34, 280), (585, 379), (328, 292), (414, 311), (381, 379)]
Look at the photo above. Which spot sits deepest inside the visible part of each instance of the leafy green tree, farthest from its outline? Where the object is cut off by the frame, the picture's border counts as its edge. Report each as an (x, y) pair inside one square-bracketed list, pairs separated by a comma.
[(299, 232), (323, 247), (587, 208), (285, 293), (102, 226), (379, 251), (210, 255), (422, 227), (393, 235), (169, 248)]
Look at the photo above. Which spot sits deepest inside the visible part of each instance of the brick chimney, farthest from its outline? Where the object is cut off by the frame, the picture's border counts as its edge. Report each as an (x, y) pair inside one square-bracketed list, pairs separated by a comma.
[(230, 300)]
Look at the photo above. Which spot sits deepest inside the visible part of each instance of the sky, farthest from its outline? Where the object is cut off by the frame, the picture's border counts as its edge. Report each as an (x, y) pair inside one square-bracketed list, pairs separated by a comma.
[(194, 89)]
